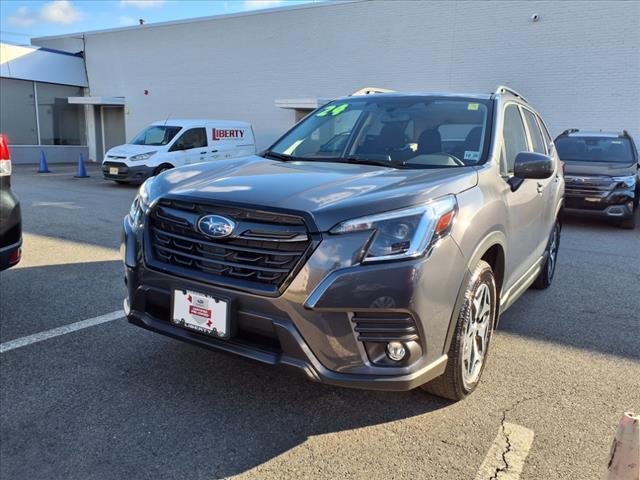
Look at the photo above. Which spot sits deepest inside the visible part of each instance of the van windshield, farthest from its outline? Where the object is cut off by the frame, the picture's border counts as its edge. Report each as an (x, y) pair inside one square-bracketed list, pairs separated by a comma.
[(594, 149), (155, 135), (394, 131)]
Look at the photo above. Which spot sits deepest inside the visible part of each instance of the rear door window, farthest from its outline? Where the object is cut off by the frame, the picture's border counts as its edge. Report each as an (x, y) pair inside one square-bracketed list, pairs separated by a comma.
[(514, 137), (537, 139)]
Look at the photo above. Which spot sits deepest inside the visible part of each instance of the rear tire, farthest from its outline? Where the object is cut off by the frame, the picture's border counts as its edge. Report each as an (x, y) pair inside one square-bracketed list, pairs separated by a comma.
[(549, 268), (471, 338)]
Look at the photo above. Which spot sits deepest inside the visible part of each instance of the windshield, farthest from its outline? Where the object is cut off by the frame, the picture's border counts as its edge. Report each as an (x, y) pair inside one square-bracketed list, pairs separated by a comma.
[(401, 132), (594, 149), (155, 135)]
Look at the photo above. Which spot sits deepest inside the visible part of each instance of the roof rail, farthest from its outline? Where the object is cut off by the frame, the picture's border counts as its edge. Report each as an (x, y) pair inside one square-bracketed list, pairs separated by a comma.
[(570, 130), (505, 89), (370, 90)]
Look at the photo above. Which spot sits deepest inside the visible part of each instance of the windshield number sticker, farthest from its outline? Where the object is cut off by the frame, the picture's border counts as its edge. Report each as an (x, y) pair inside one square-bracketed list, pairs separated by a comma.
[(334, 110), (470, 155), (473, 106)]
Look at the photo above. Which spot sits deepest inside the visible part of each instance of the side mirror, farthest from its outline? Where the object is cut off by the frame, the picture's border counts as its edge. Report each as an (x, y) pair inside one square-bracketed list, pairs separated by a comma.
[(178, 146), (532, 165)]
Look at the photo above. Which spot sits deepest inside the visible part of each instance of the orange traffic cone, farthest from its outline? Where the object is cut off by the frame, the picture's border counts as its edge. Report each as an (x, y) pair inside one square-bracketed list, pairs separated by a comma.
[(624, 459)]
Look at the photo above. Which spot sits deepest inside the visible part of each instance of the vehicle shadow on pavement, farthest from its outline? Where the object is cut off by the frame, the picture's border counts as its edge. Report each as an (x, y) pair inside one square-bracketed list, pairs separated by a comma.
[(166, 409), (38, 298), (250, 413), (594, 300)]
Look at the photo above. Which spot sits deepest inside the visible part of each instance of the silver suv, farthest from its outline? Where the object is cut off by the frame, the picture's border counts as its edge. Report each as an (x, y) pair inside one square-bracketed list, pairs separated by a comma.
[(374, 245)]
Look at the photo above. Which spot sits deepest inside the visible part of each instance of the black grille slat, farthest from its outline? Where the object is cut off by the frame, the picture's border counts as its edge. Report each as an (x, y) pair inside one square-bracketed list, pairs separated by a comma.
[(268, 259), (385, 327), (234, 246), (177, 253), (588, 185)]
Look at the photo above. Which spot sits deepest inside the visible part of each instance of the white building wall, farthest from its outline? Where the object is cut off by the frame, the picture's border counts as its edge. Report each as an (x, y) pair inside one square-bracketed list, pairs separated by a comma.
[(579, 65)]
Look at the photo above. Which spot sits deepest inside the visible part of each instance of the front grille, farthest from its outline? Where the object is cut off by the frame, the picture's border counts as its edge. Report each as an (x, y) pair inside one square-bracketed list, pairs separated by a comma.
[(384, 327), (265, 250), (116, 157), (122, 167), (588, 186)]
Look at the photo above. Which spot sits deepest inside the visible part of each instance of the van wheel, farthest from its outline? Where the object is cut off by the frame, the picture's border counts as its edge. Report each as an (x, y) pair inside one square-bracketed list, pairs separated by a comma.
[(162, 168), (470, 343), (549, 268)]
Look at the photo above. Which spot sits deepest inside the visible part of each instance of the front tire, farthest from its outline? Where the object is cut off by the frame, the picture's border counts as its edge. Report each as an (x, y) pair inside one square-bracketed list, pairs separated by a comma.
[(471, 339), (162, 168), (628, 223), (549, 268)]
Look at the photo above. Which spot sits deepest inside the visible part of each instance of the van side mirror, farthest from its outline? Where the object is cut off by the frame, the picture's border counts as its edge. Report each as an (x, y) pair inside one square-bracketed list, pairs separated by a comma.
[(179, 145)]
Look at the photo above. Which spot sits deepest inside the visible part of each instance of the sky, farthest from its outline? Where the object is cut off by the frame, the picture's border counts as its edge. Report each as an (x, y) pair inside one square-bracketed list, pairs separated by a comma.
[(22, 19)]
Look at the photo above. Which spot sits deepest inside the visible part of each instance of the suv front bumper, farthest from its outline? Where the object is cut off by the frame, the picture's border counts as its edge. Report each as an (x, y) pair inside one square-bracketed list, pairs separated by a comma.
[(312, 325), (617, 203)]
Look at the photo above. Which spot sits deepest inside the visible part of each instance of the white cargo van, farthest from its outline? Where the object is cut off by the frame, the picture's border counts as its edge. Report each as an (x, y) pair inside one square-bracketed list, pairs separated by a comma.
[(174, 143)]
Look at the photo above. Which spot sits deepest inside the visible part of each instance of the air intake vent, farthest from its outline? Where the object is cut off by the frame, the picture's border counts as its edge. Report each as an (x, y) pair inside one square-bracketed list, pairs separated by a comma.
[(385, 327)]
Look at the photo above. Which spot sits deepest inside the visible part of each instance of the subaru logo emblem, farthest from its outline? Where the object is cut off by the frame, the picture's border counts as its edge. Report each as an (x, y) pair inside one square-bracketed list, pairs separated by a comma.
[(216, 226)]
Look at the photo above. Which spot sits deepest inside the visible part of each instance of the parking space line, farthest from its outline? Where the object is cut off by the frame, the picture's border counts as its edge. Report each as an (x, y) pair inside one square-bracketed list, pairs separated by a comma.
[(506, 456), (56, 332)]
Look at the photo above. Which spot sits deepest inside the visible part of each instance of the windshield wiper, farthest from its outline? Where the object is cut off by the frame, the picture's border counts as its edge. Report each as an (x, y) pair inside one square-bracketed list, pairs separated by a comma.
[(383, 162), (279, 156)]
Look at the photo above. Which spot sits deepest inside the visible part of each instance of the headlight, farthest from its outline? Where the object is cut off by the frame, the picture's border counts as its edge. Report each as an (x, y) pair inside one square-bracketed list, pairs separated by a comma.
[(140, 204), (625, 182), (142, 156), (405, 233)]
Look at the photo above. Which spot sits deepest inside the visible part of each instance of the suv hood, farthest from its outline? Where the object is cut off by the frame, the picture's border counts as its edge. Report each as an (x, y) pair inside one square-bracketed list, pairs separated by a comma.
[(609, 169), (328, 192)]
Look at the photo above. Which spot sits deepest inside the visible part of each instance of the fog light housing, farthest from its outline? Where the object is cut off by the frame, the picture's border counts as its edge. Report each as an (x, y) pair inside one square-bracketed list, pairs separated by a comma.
[(396, 351)]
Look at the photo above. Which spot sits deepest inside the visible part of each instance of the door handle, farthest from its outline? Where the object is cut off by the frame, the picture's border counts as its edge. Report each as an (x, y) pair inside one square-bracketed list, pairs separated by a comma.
[(202, 153), (214, 151), (540, 187)]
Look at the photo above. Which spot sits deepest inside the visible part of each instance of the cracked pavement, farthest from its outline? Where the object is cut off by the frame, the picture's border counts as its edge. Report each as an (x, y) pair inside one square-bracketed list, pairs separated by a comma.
[(113, 401)]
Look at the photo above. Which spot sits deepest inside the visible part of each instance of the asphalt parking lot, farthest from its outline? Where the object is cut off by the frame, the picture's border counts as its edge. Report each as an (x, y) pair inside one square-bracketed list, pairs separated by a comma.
[(114, 401)]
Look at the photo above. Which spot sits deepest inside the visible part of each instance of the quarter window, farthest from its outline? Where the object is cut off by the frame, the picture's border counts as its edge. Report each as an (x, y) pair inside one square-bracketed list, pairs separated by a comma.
[(536, 136), (514, 137)]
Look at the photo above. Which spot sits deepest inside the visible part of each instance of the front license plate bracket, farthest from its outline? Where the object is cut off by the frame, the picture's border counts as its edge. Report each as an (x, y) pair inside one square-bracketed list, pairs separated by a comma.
[(201, 312)]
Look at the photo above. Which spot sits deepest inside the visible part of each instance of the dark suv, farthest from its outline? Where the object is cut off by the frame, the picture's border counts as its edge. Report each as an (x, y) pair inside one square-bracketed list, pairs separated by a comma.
[(601, 174), (374, 245)]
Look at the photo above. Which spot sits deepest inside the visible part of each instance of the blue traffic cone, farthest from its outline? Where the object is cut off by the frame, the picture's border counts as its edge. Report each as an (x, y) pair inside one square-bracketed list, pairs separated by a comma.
[(43, 168), (82, 171)]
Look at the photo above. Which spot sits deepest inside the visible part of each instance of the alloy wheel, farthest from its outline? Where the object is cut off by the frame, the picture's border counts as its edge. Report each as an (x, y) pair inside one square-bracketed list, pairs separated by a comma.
[(476, 335), (553, 254)]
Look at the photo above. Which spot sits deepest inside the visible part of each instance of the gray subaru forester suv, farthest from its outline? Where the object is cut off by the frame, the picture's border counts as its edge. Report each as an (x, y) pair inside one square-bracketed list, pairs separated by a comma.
[(374, 245)]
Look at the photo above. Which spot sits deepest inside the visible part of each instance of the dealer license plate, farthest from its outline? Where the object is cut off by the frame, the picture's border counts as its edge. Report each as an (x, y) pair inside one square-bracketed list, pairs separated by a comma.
[(113, 170), (201, 312)]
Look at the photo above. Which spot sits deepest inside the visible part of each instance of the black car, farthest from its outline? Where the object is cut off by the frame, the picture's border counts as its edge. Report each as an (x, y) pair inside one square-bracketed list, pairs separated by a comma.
[(10, 217), (601, 174)]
